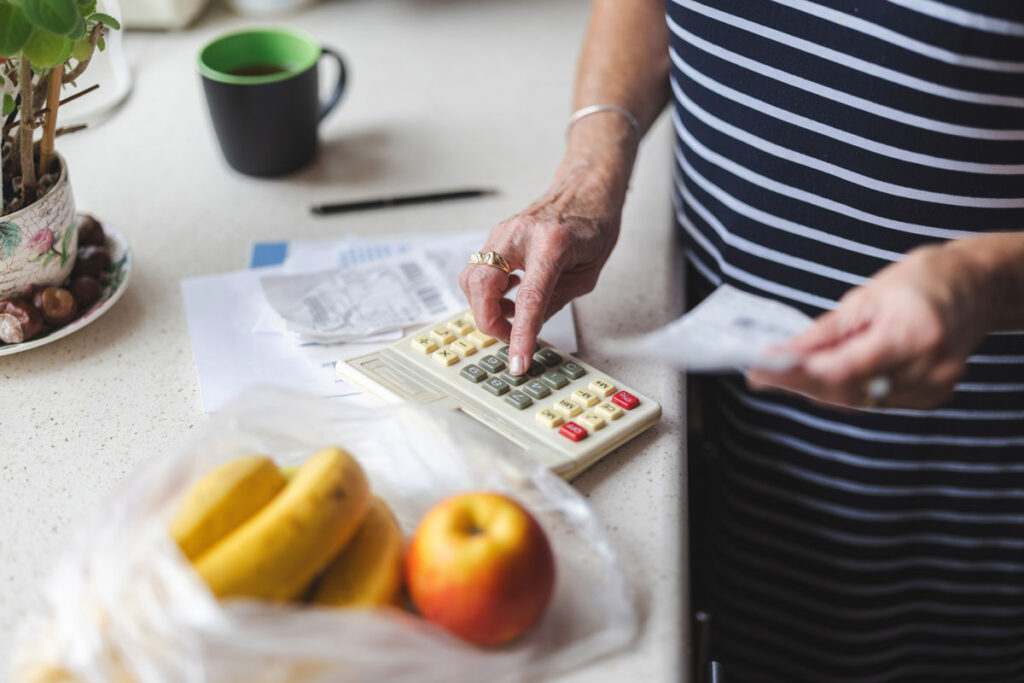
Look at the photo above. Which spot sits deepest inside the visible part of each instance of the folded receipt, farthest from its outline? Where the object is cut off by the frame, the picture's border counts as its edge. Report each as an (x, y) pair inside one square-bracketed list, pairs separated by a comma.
[(728, 331), (346, 304)]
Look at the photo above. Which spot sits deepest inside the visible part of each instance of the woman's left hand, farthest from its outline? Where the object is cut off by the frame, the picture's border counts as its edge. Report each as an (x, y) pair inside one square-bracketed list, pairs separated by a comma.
[(914, 324)]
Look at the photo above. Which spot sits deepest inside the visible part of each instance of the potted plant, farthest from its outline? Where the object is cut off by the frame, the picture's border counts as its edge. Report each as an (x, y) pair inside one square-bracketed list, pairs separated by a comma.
[(44, 45)]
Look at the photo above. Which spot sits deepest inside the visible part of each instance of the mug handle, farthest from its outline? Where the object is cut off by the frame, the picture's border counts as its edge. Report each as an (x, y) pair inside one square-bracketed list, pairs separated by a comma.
[(339, 88)]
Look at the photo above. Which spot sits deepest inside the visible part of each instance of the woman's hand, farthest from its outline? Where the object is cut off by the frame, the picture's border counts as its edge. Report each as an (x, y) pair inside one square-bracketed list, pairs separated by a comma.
[(560, 242), (914, 323)]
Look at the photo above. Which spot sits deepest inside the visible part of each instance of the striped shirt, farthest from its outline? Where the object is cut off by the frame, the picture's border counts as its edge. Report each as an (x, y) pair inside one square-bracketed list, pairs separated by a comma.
[(817, 141)]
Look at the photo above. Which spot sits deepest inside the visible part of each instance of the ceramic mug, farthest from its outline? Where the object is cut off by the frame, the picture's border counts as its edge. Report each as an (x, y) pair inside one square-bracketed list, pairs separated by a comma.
[(262, 87)]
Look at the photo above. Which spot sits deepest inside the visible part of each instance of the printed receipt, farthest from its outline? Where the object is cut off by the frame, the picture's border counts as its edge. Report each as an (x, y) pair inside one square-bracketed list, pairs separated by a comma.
[(726, 332), (351, 303)]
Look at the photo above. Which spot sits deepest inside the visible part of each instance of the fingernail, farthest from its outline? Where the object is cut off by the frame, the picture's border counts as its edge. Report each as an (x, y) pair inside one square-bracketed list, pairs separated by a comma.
[(517, 365)]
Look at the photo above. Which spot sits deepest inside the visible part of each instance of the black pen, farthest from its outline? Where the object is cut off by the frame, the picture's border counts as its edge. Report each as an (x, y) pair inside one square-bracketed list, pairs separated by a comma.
[(401, 200)]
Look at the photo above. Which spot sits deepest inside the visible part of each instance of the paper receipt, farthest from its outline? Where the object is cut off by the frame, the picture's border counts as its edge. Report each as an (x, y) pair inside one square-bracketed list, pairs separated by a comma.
[(350, 303), (728, 331)]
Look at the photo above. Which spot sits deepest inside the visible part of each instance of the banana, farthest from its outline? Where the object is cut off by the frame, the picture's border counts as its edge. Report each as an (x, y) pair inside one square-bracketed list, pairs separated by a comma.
[(289, 471), (222, 500), (368, 572), (279, 550)]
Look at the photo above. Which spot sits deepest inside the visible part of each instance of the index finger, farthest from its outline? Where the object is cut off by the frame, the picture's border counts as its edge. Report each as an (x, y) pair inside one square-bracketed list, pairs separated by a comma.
[(531, 308)]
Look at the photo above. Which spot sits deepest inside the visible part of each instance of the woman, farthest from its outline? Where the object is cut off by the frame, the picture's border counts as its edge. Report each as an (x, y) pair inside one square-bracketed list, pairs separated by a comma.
[(867, 168)]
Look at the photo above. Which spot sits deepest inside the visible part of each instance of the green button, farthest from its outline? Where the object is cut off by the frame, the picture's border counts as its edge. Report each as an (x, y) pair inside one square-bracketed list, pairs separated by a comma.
[(548, 357), (572, 370), (495, 386), (473, 373), (537, 389), (502, 353), (535, 369), (518, 399), (554, 379), (492, 364), (514, 380)]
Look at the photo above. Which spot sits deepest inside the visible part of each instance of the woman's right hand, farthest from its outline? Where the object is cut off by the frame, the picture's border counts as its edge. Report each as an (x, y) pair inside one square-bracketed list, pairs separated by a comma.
[(560, 242)]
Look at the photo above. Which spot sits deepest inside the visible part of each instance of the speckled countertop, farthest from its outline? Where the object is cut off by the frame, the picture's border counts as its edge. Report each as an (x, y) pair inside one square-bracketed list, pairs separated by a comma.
[(442, 94)]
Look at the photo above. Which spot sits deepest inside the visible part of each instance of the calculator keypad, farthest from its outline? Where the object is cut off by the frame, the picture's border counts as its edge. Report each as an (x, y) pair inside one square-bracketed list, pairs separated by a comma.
[(536, 389), (555, 380), (463, 348), (584, 398), (460, 326), (569, 401), (591, 420), (481, 340), (567, 408), (492, 364), (424, 344), (609, 411), (518, 399), (547, 357), (442, 335), (496, 386), (572, 370), (445, 357), (473, 373), (572, 431), (514, 380), (625, 400)]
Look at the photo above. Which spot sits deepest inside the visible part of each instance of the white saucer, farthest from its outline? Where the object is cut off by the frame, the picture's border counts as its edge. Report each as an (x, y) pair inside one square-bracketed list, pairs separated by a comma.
[(113, 289)]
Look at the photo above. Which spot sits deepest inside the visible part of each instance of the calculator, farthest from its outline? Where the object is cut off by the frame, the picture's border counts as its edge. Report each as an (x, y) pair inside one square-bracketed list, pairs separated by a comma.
[(577, 413)]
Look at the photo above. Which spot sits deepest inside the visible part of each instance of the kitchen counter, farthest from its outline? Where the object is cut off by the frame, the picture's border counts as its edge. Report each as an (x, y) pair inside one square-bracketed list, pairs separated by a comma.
[(442, 94)]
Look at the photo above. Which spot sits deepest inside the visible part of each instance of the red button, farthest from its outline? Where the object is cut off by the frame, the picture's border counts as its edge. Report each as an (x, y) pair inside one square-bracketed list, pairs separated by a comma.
[(571, 430), (625, 400)]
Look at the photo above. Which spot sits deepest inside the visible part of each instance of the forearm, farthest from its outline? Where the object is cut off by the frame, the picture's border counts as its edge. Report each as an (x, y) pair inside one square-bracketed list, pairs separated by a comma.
[(995, 263), (624, 62)]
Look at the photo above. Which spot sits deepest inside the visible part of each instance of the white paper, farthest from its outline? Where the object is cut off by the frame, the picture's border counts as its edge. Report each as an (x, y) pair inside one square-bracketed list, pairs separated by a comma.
[(224, 309), (728, 331), (348, 304), (447, 252), (221, 310)]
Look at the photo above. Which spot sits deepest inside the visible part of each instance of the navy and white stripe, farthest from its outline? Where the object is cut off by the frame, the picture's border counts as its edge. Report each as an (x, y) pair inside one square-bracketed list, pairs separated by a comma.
[(817, 141)]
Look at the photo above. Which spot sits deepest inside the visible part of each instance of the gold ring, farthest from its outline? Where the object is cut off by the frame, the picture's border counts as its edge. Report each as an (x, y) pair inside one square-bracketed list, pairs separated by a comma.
[(876, 391), (490, 258)]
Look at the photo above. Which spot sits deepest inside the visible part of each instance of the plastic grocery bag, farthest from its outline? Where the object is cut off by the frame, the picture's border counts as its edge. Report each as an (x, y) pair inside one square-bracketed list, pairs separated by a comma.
[(123, 604)]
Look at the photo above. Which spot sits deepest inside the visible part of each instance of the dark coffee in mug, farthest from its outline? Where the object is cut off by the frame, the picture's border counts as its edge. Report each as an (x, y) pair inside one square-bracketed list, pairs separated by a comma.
[(262, 89), (258, 69)]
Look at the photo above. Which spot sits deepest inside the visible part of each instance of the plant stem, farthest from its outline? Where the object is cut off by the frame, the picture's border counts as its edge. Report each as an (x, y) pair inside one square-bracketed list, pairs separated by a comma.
[(94, 37), (28, 169), (69, 98), (52, 103)]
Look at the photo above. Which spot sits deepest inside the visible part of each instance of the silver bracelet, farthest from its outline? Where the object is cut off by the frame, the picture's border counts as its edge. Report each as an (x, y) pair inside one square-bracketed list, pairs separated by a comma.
[(595, 108)]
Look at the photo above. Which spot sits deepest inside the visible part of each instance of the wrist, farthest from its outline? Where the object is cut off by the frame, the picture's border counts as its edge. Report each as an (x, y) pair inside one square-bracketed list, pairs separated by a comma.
[(993, 268), (602, 148)]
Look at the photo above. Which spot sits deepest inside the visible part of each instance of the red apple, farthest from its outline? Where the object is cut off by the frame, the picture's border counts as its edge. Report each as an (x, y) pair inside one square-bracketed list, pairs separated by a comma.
[(480, 566)]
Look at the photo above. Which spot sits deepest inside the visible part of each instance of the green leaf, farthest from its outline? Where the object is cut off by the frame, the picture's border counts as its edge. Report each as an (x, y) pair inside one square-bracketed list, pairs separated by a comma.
[(65, 240), (86, 7), (10, 238), (50, 255), (55, 16), (78, 31), (15, 29), (107, 20), (82, 50), (45, 50), (8, 105), (101, 44)]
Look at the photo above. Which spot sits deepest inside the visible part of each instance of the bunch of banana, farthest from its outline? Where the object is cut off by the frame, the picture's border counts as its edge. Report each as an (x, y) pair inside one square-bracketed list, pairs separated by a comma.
[(251, 530)]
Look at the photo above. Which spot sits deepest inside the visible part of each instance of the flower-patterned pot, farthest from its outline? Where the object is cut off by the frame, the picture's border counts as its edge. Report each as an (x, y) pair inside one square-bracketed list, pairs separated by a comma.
[(38, 242)]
